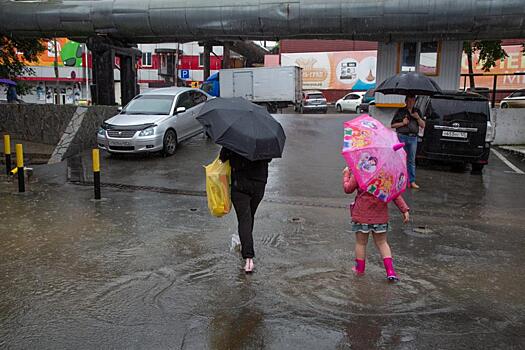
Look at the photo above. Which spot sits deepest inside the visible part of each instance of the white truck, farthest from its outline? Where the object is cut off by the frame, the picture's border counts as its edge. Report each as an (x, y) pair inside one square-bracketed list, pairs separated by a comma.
[(272, 87)]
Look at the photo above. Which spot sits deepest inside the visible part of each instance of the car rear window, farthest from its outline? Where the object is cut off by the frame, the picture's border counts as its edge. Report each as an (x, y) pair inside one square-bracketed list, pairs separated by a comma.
[(451, 109), (315, 95)]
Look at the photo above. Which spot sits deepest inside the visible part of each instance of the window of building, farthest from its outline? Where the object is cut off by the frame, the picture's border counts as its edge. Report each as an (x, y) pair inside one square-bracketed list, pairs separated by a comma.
[(421, 57), (428, 57), (409, 57), (146, 59), (201, 60)]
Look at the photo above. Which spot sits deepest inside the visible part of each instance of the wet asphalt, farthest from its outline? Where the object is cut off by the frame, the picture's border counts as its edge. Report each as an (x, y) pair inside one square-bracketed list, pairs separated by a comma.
[(148, 267)]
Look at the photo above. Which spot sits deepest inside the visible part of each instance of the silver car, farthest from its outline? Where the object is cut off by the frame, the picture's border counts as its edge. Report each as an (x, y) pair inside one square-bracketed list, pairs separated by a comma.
[(514, 100), (313, 101), (154, 121)]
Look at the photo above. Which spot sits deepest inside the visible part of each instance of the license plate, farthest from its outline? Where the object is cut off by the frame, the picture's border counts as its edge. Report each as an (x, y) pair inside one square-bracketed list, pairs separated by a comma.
[(119, 143), (462, 135)]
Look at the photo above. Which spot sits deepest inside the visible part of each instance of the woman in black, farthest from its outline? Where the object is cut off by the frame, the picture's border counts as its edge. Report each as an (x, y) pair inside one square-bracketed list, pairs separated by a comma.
[(248, 185)]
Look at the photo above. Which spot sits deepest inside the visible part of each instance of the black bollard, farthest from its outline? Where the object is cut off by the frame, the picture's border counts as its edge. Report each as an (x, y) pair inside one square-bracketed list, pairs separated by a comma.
[(96, 173), (20, 168)]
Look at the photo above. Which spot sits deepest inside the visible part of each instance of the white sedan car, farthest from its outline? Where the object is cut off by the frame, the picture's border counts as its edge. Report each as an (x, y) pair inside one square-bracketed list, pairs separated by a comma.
[(154, 121), (350, 102)]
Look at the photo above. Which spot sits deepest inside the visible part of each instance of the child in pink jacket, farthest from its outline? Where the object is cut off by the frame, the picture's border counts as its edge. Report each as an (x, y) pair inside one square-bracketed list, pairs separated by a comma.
[(370, 215)]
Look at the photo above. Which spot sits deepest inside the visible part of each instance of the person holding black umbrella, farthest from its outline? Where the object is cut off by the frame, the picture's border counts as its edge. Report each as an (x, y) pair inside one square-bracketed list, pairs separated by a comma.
[(247, 191), (407, 122), (250, 138)]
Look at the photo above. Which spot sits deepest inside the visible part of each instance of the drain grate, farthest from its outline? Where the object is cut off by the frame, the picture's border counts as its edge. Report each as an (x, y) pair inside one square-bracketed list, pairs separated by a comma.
[(297, 220)]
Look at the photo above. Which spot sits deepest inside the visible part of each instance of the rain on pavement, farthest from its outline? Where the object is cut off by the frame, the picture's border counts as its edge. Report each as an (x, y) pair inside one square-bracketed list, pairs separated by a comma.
[(148, 267)]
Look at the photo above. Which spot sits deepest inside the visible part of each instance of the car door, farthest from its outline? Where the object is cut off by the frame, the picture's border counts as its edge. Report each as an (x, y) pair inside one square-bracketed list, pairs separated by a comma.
[(183, 121), (518, 99), (198, 98), (352, 101), (344, 103)]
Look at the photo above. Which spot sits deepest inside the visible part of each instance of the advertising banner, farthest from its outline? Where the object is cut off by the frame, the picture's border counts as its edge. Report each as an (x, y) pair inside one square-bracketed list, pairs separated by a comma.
[(344, 70), (69, 54), (514, 63)]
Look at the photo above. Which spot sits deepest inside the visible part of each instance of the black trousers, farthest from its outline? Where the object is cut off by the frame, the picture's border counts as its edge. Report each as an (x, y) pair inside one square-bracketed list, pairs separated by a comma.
[(246, 197)]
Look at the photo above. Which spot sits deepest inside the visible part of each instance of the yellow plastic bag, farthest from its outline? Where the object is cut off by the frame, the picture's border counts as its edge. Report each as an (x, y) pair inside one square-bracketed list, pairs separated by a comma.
[(218, 179)]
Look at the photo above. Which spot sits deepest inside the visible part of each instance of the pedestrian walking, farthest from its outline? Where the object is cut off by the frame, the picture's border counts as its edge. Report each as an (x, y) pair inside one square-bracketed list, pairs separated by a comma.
[(407, 122), (370, 216), (251, 138), (247, 191), (12, 96)]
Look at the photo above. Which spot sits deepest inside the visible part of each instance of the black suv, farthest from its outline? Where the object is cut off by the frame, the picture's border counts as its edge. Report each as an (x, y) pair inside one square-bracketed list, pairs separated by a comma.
[(458, 128)]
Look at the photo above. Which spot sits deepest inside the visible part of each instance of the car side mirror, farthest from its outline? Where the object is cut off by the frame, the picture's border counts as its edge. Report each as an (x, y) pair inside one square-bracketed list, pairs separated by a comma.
[(119, 109), (180, 110)]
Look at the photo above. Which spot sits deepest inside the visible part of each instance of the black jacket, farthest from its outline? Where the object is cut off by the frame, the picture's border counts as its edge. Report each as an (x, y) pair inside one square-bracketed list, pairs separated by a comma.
[(244, 169), (412, 127)]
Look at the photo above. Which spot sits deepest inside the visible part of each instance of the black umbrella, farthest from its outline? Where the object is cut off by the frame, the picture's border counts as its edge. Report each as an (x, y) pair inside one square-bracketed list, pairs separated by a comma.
[(409, 84), (243, 127)]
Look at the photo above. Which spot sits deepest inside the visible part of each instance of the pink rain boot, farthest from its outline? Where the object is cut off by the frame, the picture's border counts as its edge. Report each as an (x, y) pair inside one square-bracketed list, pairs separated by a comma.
[(389, 267), (359, 267)]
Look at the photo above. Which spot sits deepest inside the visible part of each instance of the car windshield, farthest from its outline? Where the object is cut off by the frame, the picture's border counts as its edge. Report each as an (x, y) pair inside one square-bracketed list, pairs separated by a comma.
[(369, 93), (449, 109), (315, 96), (150, 104)]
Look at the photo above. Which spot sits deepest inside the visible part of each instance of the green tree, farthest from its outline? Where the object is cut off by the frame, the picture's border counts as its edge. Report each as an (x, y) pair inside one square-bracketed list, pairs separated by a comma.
[(489, 52), (15, 53)]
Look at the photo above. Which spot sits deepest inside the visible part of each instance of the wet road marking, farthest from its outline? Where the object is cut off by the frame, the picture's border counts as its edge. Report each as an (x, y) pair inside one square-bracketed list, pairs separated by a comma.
[(506, 161)]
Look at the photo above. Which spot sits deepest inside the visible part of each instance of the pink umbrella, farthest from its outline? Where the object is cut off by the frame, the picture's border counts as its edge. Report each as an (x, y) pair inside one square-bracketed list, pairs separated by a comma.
[(375, 157)]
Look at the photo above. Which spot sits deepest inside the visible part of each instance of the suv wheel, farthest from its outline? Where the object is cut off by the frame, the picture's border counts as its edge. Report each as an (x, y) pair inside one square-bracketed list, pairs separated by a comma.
[(170, 143), (504, 105), (339, 109), (477, 168), (357, 110)]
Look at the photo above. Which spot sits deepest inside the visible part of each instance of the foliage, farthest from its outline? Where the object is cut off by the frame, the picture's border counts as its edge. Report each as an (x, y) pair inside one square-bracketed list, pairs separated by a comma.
[(15, 53), (489, 52)]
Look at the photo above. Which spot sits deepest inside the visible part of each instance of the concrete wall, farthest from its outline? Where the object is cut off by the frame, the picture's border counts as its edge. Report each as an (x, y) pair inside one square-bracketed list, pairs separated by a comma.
[(510, 123), (510, 126), (47, 123), (36, 123)]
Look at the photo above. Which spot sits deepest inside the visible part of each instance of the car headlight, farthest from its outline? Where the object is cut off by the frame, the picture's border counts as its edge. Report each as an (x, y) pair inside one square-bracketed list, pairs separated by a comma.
[(147, 132), (102, 132)]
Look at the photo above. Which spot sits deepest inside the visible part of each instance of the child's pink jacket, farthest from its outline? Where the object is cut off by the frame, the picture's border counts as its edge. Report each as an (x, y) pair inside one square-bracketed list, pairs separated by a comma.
[(367, 209)]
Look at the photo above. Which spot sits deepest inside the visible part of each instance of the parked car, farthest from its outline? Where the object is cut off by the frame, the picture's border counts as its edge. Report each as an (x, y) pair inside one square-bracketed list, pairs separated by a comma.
[(154, 121), (369, 99), (365, 107), (313, 101), (350, 102), (514, 100), (458, 128), (369, 96)]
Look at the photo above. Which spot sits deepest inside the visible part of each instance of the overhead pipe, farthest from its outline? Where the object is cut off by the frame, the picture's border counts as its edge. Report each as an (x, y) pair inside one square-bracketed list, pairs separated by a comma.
[(150, 21)]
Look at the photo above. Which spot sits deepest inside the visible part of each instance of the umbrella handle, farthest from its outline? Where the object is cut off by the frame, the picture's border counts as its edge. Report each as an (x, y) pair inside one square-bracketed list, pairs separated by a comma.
[(398, 146)]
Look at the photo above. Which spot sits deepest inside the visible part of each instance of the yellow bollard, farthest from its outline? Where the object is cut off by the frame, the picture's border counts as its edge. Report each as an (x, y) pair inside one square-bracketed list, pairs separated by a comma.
[(7, 153), (96, 172), (20, 167)]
